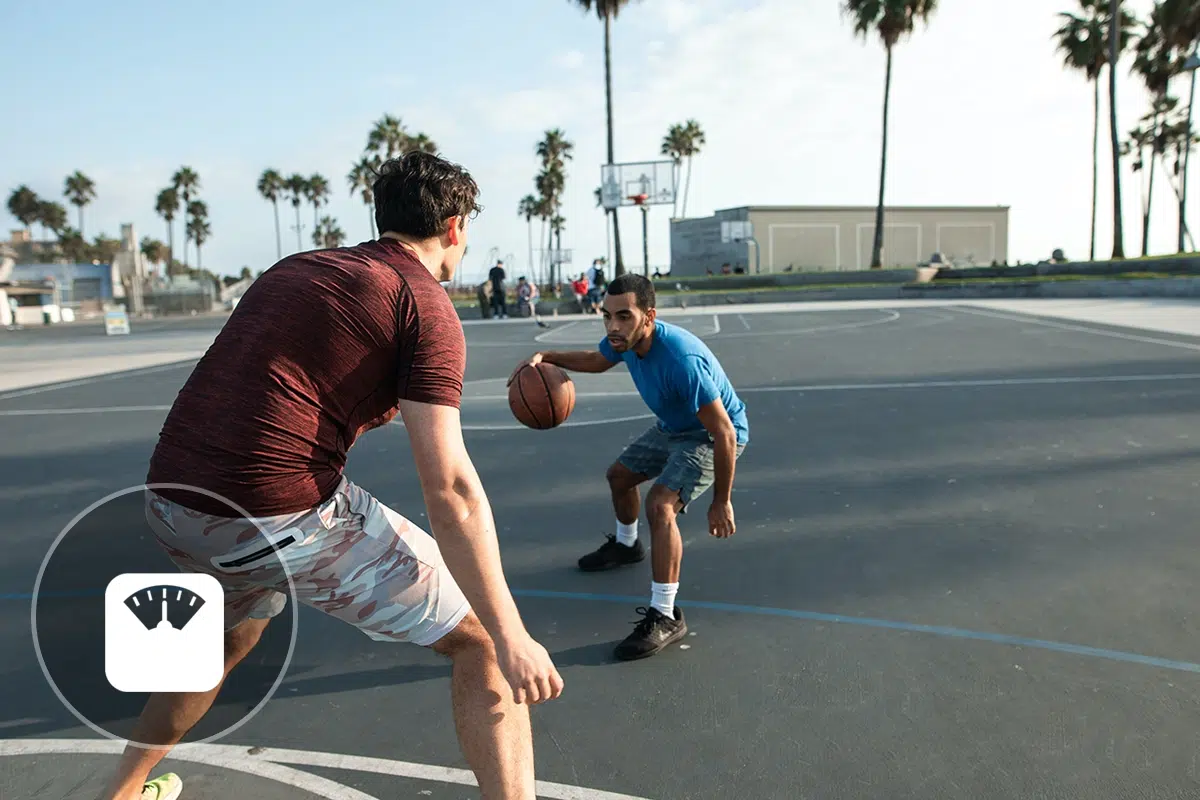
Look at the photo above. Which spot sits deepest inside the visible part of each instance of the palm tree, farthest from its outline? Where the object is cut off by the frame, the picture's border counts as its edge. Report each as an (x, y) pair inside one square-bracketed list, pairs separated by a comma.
[(80, 190), (361, 179), (387, 137), (550, 182), (693, 138), (607, 11), (198, 231), (166, 204), (1115, 43), (297, 187), (554, 150), (270, 186), (153, 250), (1160, 55), (74, 247), (891, 20), (1083, 42), (422, 144), (673, 146), (186, 183), (52, 216), (328, 234), (1154, 62), (25, 205), (317, 192), (528, 208)]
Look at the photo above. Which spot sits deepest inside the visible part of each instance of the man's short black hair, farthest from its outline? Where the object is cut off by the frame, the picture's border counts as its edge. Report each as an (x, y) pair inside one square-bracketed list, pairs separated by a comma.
[(416, 193), (641, 288)]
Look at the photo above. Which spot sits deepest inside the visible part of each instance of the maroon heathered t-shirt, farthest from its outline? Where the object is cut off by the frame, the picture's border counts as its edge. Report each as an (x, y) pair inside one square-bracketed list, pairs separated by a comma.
[(322, 347)]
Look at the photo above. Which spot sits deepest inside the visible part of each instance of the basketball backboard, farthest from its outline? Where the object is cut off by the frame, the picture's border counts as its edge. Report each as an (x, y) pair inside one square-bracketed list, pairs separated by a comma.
[(620, 183)]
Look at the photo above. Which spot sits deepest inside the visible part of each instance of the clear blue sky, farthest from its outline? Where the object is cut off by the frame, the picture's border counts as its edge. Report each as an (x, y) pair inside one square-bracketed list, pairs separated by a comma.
[(129, 91)]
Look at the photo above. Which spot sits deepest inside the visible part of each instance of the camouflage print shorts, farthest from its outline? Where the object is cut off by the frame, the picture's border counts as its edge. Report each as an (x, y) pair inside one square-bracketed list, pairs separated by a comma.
[(352, 558)]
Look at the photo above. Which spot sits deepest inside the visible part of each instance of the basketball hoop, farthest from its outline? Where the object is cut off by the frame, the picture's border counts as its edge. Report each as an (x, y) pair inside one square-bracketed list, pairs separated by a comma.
[(639, 199)]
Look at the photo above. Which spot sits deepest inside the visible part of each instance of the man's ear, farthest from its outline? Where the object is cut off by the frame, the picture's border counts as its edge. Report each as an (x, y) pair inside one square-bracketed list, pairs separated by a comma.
[(455, 230)]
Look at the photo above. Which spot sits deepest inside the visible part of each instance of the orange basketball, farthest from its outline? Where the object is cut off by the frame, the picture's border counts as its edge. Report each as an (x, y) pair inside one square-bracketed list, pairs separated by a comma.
[(541, 397)]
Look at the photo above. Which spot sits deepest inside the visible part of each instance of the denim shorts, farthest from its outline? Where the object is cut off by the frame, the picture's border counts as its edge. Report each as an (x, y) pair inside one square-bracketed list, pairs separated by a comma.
[(682, 462)]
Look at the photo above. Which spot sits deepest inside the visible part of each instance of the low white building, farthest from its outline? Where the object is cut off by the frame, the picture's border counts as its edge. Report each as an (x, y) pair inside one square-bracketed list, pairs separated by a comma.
[(828, 238)]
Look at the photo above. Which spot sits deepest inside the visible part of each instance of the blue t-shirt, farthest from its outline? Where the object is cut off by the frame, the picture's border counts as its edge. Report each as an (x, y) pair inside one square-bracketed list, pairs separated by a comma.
[(677, 377)]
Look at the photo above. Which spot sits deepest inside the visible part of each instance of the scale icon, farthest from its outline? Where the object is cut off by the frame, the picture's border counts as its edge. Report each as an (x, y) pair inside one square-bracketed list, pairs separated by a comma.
[(164, 632)]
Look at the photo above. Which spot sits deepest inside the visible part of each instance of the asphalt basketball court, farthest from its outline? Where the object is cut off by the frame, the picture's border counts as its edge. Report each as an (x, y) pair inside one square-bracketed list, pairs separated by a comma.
[(965, 566)]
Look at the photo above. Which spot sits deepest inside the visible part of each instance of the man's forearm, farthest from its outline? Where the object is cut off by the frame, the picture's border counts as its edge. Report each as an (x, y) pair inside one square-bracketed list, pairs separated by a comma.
[(724, 458), (466, 535), (577, 360)]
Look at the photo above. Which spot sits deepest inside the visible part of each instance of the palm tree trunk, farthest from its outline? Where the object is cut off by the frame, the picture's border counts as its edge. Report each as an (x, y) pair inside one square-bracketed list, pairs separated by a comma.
[(371, 214), (877, 247), (170, 246), (550, 257), (1187, 155), (1095, 164), (1114, 51), (299, 241), (619, 267), (316, 223), (1150, 188), (81, 220), (687, 187), (278, 236), (529, 225)]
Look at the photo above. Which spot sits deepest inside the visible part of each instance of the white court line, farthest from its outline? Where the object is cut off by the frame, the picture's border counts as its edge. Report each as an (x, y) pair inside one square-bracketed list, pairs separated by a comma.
[(1061, 380), (541, 337), (801, 388), (47, 412), (745, 323), (108, 376), (894, 315), (224, 756), (716, 325), (1083, 329), (267, 764)]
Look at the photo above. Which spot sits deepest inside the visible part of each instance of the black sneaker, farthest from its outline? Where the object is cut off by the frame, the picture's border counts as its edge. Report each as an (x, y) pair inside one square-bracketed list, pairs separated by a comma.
[(652, 634), (612, 554)]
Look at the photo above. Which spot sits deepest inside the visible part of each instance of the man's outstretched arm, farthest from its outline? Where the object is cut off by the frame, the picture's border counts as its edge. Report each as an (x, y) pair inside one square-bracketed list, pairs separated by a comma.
[(461, 520), (573, 360)]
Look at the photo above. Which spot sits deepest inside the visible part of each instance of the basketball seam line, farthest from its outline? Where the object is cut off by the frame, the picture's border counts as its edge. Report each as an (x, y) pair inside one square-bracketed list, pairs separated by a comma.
[(549, 399), (524, 402)]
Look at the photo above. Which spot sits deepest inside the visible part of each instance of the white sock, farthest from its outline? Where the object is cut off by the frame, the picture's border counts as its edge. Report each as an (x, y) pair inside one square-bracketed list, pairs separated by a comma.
[(662, 597), (627, 534)]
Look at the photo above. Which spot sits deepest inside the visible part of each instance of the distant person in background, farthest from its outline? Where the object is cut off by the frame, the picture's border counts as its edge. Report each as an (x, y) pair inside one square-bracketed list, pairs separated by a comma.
[(527, 295), (499, 304), (580, 287), (596, 284)]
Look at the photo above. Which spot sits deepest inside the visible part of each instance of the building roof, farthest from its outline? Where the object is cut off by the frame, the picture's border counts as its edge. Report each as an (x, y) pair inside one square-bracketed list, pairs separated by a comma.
[(872, 209)]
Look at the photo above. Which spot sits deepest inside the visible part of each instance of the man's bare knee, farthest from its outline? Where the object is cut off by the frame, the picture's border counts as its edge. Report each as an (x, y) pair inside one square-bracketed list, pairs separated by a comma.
[(622, 479), (468, 637), (662, 505)]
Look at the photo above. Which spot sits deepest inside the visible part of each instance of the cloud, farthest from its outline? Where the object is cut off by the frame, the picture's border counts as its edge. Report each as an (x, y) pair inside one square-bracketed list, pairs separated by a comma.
[(571, 59)]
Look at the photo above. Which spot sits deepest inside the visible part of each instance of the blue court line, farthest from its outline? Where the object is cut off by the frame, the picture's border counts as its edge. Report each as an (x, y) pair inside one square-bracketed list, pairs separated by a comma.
[(810, 616), (936, 630)]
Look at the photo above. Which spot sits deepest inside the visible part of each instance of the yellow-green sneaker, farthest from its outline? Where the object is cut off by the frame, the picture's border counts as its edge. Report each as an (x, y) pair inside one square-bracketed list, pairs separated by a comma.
[(164, 787)]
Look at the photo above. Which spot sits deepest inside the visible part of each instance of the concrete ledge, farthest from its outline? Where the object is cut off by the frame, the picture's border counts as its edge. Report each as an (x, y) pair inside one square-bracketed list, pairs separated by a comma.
[(936, 289)]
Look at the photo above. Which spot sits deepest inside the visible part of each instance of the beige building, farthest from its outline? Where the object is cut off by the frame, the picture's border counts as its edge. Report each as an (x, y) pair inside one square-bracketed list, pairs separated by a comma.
[(820, 238)]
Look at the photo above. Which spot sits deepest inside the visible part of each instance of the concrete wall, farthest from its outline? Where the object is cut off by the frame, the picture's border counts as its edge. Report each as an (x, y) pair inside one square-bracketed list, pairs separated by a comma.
[(841, 238), (802, 239)]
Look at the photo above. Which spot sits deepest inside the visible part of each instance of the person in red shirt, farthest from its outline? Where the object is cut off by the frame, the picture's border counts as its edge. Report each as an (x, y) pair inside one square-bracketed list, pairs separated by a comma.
[(246, 482)]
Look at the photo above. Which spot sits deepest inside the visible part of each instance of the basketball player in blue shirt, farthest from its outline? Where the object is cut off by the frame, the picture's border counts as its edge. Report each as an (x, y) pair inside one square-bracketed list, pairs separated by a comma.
[(700, 432)]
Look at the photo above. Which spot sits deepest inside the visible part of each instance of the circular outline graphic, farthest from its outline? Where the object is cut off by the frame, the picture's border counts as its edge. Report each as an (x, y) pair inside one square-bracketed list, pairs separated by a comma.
[(37, 585)]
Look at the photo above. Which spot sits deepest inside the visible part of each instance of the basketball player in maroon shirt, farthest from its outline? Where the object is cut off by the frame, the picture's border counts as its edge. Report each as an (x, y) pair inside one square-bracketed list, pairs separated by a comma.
[(324, 346)]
